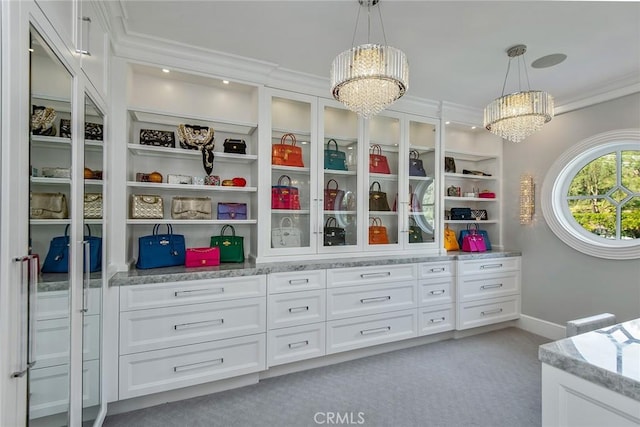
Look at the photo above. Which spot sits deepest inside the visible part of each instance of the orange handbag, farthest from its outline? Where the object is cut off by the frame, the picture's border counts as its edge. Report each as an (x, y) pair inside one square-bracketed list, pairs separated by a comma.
[(377, 232), (284, 154)]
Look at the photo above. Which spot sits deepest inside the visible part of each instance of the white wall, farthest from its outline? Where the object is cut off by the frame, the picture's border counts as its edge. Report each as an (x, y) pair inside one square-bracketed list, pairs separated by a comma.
[(558, 282)]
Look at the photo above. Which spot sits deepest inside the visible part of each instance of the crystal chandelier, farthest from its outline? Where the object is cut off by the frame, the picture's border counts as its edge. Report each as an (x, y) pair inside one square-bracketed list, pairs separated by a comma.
[(370, 77), (517, 115)]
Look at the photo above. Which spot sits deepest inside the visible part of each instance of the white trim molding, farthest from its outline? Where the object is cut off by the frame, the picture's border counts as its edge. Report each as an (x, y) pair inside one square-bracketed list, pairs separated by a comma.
[(546, 329)]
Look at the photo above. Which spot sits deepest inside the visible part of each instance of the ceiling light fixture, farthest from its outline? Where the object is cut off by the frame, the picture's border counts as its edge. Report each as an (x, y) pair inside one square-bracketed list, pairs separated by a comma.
[(370, 77), (517, 115), (165, 70)]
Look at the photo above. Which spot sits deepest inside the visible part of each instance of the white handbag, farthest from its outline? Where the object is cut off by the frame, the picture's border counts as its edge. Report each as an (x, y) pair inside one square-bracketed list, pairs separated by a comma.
[(285, 236)]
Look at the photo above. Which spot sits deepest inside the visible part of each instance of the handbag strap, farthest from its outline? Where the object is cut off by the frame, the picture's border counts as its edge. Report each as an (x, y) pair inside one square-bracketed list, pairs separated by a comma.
[(329, 142), (375, 221), (328, 182), (281, 180), (376, 149), (413, 154), (374, 183), (156, 229), (472, 228), (331, 222), (283, 220), (290, 136), (228, 226)]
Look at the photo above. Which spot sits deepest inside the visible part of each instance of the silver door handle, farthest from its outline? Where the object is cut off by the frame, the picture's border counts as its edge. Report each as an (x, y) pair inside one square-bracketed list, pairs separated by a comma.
[(375, 331), (299, 344), (438, 292), (441, 319), (437, 270), (496, 285), (487, 266), (298, 309), (190, 292), (198, 365), (375, 299), (28, 299), (496, 311), (87, 276), (198, 324), (371, 275), (298, 281)]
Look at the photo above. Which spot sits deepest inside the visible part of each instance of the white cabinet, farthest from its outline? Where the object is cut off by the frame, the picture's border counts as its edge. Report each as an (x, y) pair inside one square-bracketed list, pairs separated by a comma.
[(436, 297), (93, 45), (488, 291)]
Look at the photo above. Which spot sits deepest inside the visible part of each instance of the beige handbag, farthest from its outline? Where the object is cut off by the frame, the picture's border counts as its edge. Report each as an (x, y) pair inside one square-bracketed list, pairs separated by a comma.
[(93, 205), (145, 206), (191, 208), (48, 206)]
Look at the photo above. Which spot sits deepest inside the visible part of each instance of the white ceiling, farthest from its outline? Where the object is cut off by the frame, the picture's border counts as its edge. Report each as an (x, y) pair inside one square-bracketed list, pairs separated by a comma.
[(456, 49)]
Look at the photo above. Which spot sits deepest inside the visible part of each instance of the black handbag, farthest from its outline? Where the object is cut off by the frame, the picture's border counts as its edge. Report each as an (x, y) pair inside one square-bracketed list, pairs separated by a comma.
[(333, 235), (450, 165), (461, 214), (415, 232), (235, 146), (416, 168), (158, 138), (377, 198)]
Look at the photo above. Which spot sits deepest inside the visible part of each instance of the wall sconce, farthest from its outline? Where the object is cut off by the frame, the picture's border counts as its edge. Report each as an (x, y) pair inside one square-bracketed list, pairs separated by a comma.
[(527, 199)]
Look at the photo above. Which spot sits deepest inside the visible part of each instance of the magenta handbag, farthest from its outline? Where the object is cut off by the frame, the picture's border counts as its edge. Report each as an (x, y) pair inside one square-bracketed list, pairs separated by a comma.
[(473, 242), (284, 195), (232, 210), (202, 257)]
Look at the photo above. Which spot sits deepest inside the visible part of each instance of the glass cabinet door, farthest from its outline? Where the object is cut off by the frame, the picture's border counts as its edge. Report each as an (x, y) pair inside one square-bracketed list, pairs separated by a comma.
[(384, 136), (339, 179), (293, 199), (421, 202)]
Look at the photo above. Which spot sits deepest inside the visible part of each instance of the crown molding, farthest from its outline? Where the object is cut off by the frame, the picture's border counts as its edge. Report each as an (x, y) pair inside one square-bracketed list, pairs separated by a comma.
[(462, 114), (623, 86)]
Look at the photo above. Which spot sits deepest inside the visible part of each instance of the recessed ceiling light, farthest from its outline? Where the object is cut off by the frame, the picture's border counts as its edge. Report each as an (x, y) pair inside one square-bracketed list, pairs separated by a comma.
[(473, 127), (225, 82), (447, 123), (549, 60), (165, 70)]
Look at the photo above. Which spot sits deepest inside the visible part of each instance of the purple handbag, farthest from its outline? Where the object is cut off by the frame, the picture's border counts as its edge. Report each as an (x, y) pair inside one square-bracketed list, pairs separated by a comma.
[(232, 210)]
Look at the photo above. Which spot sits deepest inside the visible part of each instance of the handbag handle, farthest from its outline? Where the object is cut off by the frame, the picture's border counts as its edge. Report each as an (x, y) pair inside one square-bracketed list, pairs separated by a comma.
[(334, 141), (374, 183), (375, 221), (227, 226), (413, 154), (156, 229), (286, 218), (328, 182), (331, 222), (290, 136), (66, 230), (281, 180), (376, 149)]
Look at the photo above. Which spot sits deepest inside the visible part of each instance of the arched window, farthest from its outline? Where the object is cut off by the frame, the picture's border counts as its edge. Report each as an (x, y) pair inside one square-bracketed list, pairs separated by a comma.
[(591, 195)]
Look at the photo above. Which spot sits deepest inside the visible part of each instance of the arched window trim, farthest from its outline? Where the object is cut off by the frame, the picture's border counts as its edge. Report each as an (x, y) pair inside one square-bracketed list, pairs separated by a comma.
[(556, 184)]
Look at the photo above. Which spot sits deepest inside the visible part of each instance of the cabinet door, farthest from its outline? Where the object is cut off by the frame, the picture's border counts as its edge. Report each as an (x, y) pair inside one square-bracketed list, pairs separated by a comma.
[(92, 44), (339, 179), (384, 135), (293, 222)]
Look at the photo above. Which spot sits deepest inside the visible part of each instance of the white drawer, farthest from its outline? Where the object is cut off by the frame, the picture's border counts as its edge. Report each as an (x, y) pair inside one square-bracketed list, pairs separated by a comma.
[(295, 343), (52, 341), (435, 269), (362, 300), (488, 265), (49, 389), (365, 331), (157, 328), (485, 312), (435, 291), (488, 286), (55, 304), (297, 308), (374, 274), (440, 318), (153, 295), (297, 281), (161, 370)]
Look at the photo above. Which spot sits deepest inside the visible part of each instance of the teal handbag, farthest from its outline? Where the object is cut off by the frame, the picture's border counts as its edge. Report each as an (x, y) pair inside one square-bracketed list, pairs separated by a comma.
[(334, 159)]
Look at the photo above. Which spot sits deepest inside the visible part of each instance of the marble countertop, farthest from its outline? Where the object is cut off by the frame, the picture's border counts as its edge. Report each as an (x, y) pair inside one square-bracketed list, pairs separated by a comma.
[(609, 357), (181, 273)]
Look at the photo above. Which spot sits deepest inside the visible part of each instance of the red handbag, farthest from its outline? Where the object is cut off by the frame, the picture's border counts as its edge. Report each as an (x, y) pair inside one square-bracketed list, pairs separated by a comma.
[(333, 197), (284, 154), (284, 196), (377, 161), (202, 257), (414, 203), (473, 242)]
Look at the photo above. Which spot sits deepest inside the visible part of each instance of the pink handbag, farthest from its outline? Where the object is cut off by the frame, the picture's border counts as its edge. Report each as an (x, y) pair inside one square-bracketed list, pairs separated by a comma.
[(202, 257), (473, 242)]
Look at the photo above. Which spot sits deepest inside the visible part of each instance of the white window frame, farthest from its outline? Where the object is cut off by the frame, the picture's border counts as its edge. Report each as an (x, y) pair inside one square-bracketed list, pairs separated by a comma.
[(554, 190)]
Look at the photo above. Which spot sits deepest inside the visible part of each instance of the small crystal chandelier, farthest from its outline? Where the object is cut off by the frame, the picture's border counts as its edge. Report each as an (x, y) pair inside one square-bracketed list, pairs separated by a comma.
[(370, 77), (517, 115)]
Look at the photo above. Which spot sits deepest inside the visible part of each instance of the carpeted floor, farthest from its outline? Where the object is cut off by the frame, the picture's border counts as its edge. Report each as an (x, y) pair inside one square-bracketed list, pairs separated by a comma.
[(487, 380)]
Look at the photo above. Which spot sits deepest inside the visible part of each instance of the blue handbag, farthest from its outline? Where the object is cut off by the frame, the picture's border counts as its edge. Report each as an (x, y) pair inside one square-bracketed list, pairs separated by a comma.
[(416, 168), (161, 250), (57, 260), (334, 159), (483, 233)]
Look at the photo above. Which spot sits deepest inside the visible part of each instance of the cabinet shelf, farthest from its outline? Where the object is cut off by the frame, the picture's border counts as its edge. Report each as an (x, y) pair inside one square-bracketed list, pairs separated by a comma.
[(277, 133), (471, 177), (421, 178), (61, 221), (293, 169), (191, 221), (50, 181), (291, 211), (383, 176), (93, 182), (421, 149), (180, 153), (58, 142), (469, 199), (383, 213), (190, 187), (469, 156), (336, 172), (170, 119), (470, 221), (337, 213)]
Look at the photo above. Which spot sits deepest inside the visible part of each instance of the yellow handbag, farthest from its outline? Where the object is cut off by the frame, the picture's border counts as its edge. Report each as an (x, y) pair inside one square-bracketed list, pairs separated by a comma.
[(450, 241)]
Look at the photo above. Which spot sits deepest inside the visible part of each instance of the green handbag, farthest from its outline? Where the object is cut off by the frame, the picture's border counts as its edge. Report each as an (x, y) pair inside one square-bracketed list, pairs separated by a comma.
[(231, 247), (415, 232)]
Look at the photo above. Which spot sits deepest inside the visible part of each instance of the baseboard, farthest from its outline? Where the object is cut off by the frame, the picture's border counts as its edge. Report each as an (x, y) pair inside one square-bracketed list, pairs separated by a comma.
[(541, 327)]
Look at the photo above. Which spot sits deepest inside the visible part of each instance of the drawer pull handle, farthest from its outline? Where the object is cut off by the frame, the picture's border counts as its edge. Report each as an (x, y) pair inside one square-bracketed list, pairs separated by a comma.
[(441, 319), (495, 285), (298, 281), (198, 365), (298, 309), (375, 299), (487, 266), (375, 331), (437, 292), (437, 270), (496, 311), (190, 292), (299, 344), (198, 324), (371, 275)]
